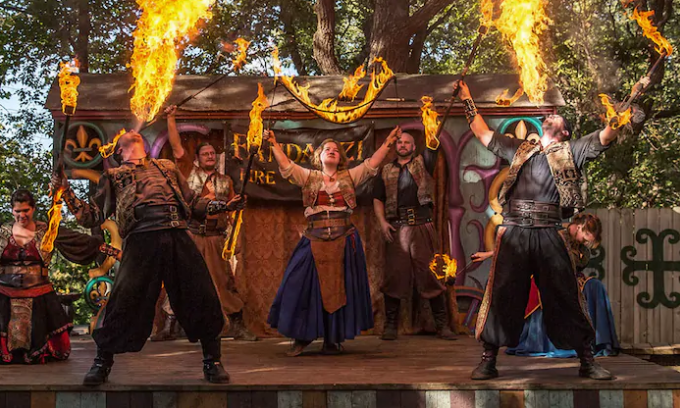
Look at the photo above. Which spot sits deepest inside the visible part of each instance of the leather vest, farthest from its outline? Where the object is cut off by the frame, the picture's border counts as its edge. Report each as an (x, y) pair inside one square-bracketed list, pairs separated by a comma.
[(223, 184), (40, 230), (423, 179), (310, 191)]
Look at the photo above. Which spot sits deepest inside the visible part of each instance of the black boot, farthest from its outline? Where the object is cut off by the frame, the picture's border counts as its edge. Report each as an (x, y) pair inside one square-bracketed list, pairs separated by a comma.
[(441, 318), (589, 368), (486, 369), (238, 328), (99, 372), (391, 329), (212, 367)]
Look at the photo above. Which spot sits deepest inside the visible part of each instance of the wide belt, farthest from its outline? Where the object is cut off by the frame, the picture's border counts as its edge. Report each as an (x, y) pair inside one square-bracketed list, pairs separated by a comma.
[(413, 215), (328, 226), (208, 227), (155, 217), (23, 276), (532, 214)]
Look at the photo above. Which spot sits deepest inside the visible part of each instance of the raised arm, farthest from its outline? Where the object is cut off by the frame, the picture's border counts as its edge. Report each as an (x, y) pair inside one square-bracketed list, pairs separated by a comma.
[(90, 214), (477, 123), (173, 134), (279, 155), (384, 150), (608, 135), (289, 170)]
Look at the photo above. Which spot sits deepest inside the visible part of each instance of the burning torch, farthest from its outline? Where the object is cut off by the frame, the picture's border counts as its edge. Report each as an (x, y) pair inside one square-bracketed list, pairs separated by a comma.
[(254, 139), (68, 86)]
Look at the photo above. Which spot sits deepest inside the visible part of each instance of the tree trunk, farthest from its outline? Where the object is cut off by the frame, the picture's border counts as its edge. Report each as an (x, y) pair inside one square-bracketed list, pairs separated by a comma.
[(288, 18), (389, 38), (324, 38), (83, 40), (413, 64)]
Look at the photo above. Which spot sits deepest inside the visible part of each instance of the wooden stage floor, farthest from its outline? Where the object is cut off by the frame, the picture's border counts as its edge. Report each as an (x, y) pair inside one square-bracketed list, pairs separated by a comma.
[(369, 368)]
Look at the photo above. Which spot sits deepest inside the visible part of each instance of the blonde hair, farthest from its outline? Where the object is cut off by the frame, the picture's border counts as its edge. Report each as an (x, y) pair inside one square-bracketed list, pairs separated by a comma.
[(316, 159)]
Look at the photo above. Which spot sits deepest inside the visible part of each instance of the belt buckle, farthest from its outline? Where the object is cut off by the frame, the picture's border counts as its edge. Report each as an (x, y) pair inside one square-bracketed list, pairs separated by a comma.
[(172, 209), (526, 222), (201, 229), (411, 216), (174, 224)]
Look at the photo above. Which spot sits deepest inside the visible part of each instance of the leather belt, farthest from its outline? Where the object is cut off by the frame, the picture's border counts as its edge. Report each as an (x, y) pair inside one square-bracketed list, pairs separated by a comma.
[(158, 217), (532, 214), (22, 280), (413, 215), (328, 225), (209, 227)]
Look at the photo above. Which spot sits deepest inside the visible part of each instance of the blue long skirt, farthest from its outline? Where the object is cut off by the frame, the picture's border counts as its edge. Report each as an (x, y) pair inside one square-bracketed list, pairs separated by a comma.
[(297, 311), (534, 341)]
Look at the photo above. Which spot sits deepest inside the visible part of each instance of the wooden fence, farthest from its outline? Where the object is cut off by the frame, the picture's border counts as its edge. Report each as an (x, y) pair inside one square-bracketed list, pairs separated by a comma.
[(639, 263)]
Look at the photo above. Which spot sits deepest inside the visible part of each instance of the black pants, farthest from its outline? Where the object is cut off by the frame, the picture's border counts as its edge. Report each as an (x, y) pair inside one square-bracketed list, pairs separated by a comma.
[(521, 253), (149, 259)]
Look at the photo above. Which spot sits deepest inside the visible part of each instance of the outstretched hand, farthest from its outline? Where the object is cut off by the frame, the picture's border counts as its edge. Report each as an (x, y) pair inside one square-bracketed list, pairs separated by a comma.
[(170, 111), (237, 203), (58, 179), (461, 90), (269, 136)]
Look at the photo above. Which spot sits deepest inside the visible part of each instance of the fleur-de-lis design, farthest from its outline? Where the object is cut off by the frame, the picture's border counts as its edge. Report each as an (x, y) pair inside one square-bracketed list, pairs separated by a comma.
[(657, 265), (82, 147), (522, 132)]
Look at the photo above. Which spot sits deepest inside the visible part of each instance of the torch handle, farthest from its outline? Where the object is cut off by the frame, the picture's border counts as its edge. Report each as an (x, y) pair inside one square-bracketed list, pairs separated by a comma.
[(624, 107), (246, 176)]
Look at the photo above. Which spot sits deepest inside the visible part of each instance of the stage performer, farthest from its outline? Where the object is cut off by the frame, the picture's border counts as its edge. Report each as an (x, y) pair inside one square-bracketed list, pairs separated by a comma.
[(33, 325), (403, 203), (325, 290), (544, 178), (152, 203), (209, 234)]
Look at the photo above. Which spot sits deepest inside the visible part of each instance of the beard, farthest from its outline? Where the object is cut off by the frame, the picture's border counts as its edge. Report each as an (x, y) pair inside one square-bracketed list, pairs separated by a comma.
[(209, 167), (404, 153)]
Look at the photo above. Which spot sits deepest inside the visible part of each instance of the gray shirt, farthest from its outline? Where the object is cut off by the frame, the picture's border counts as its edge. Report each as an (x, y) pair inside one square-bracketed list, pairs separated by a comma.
[(534, 181)]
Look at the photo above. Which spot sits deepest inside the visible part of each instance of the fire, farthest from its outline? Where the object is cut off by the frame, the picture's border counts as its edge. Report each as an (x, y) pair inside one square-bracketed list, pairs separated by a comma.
[(614, 118), (448, 268), (328, 109), (644, 20), (68, 85), (503, 99), (430, 122), (256, 127), (243, 54), (161, 29), (108, 149), (521, 23), (486, 19), (54, 215), (352, 87), (230, 246)]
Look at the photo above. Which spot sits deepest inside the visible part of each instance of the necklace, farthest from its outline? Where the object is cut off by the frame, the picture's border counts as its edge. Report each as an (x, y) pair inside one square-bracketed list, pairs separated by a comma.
[(331, 178)]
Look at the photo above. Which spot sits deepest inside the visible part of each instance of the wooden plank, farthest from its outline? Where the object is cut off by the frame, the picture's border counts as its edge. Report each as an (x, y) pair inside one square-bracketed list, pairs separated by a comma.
[(611, 241), (339, 399), (437, 399), (386, 399), (289, 399), (117, 400), (264, 399), (164, 400), (675, 256), (640, 323), (95, 399), (2, 400), (18, 399), (627, 333), (141, 399), (511, 399), (561, 399), (413, 399), (43, 399), (586, 398), (68, 400), (654, 314), (635, 399), (462, 399), (313, 399), (676, 398), (487, 399), (363, 399), (201, 400), (239, 399), (611, 399), (659, 398), (536, 399), (666, 314)]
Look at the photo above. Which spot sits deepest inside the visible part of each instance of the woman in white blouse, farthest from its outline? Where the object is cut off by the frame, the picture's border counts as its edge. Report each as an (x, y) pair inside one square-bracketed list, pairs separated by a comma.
[(325, 291)]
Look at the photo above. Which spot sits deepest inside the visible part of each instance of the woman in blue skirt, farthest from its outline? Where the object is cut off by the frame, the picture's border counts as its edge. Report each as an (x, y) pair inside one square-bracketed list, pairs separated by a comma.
[(325, 291)]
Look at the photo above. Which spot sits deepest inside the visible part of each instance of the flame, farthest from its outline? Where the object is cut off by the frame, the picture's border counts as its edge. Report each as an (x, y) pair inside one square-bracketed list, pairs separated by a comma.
[(614, 118), (54, 215), (256, 128), (503, 99), (230, 246), (521, 23), (328, 109), (430, 122), (486, 19), (243, 54), (449, 266), (162, 27), (644, 20), (108, 149), (68, 85), (352, 87)]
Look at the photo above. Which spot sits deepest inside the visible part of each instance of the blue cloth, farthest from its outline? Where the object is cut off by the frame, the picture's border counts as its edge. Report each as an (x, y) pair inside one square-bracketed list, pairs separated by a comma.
[(297, 311), (534, 341)]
